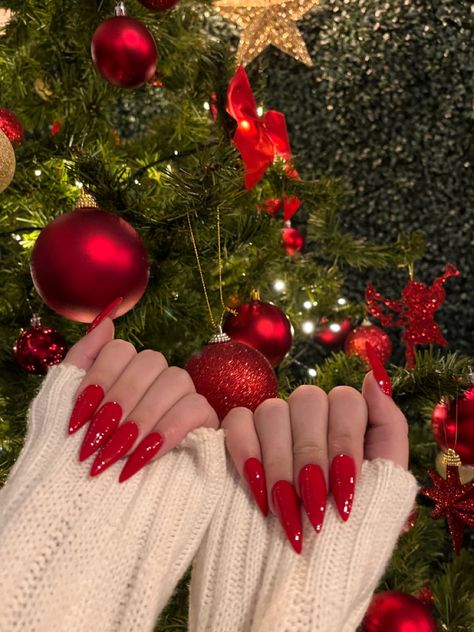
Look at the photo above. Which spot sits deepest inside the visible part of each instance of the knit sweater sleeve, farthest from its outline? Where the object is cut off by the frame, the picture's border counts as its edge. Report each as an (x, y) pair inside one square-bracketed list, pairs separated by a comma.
[(247, 578), (81, 553)]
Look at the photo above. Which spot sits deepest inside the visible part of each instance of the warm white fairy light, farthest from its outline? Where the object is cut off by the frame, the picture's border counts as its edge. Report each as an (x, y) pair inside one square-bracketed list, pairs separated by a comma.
[(207, 106), (279, 285), (78, 184), (307, 327), (312, 372), (37, 172), (307, 304), (335, 327), (259, 110), (341, 300)]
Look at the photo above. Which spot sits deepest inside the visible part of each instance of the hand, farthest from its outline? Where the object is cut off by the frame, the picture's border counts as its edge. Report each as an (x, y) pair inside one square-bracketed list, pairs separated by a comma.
[(138, 406), (315, 442)]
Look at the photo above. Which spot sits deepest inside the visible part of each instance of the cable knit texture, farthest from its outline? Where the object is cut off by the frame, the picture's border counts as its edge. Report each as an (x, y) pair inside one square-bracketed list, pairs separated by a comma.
[(81, 553)]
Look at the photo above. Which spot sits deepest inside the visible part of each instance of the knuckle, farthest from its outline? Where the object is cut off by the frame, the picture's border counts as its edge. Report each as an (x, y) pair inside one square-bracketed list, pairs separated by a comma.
[(121, 346), (180, 377), (344, 392), (271, 406), (311, 450), (156, 357), (307, 390)]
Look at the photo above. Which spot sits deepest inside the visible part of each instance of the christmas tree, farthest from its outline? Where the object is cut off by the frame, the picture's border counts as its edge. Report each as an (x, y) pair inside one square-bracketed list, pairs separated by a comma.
[(197, 163)]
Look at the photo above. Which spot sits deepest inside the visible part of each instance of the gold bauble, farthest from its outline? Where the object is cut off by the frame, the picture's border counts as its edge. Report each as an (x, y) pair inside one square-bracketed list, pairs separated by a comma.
[(466, 472), (7, 162)]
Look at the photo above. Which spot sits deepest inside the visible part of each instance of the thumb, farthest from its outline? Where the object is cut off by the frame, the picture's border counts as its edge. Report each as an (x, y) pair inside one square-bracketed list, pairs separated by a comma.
[(86, 350), (387, 430)]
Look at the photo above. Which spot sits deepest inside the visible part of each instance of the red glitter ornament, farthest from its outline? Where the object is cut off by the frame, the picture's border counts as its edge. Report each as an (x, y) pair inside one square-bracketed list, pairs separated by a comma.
[(332, 333), (414, 311), (454, 501), (355, 342), (264, 327), (425, 595), (39, 347), (11, 126), (124, 52), (159, 5), (293, 240), (231, 374), (395, 611), (446, 416), (85, 259)]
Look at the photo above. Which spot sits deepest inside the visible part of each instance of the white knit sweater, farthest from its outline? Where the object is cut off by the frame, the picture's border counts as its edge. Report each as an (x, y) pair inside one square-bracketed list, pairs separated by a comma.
[(85, 554)]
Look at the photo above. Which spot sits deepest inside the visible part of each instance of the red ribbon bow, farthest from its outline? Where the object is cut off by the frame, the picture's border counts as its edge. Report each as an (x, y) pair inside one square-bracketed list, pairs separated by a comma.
[(257, 138)]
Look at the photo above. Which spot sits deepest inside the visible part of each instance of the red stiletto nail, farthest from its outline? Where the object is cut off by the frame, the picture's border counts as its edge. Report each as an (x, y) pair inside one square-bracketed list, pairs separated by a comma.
[(285, 502), (255, 477), (85, 406), (313, 493), (108, 311), (378, 369), (342, 478), (119, 444), (145, 451), (103, 423)]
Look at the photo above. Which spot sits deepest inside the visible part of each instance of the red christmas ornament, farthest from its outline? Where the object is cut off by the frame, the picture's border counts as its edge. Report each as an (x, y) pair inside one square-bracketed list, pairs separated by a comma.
[(39, 347), (264, 327), (411, 520), (55, 127), (293, 240), (11, 126), (355, 342), (231, 374), (414, 312), (124, 52), (85, 259), (425, 595), (395, 611), (159, 5), (332, 333), (454, 501), (446, 416)]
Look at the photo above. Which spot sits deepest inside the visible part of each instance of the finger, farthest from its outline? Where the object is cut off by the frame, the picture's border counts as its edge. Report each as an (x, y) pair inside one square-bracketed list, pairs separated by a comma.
[(190, 412), (347, 424), (85, 351), (272, 422), (387, 432), (309, 427), (242, 444)]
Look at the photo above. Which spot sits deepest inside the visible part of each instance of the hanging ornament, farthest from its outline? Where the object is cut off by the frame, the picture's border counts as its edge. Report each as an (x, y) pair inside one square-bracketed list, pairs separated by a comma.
[(355, 342), (42, 89), (85, 259), (231, 374), (124, 51), (411, 520), (268, 23), (11, 126), (39, 347), (395, 611), (466, 472), (453, 424), (414, 312), (263, 326), (293, 240), (332, 333), (425, 595), (7, 162), (159, 5)]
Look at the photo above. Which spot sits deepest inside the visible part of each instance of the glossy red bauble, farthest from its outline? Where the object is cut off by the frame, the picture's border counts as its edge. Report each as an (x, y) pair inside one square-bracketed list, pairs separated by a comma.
[(11, 126), (124, 52), (380, 341), (397, 612), (264, 327), (38, 348), (159, 5), (293, 240), (231, 374), (445, 418), (85, 259), (332, 333)]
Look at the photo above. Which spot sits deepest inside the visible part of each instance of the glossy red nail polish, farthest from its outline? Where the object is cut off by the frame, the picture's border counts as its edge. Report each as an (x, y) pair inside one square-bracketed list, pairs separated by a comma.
[(255, 477), (378, 369), (108, 311), (85, 406), (145, 451), (285, 502), (119, 444), (313, 493), (104, 422), (342, 479)]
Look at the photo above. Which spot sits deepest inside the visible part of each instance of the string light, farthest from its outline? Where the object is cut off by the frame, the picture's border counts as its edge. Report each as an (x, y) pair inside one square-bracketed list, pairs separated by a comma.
[(335, 327), (78, 184), (307, 304), (341, 301), (312, 372), (279, 285), (37, 172), (259, 110), (308, 327), (207, 106)]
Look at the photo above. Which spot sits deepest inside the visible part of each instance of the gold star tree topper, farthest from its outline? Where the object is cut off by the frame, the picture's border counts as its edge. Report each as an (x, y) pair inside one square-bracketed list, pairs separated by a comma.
[(266, 22)]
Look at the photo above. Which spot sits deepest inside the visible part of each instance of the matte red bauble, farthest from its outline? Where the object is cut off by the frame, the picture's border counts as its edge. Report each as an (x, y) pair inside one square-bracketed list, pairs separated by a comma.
[(85, 259), (293, 240), (11, 126), (231, 374), (264, 327), (332, 333), (124, 52), (159, 5), (398, 612), (443, 423), (39, 347), (380, 341)]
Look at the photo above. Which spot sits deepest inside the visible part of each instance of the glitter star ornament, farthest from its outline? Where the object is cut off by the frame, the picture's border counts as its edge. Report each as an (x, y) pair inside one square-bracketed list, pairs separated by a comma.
[(265, 23)]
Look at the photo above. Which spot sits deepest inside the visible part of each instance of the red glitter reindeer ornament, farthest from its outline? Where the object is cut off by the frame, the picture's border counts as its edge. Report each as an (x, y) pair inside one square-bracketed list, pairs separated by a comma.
[(414, 311)]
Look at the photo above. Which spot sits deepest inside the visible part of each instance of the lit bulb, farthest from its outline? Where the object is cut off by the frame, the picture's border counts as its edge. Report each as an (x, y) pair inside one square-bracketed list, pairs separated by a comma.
[(341, 301), (335, 327), (308, 327), (312, 372), (259, 110), (78, 184), (207, 106), (176, 152), (279, 285), (307, 304), (37, 172)]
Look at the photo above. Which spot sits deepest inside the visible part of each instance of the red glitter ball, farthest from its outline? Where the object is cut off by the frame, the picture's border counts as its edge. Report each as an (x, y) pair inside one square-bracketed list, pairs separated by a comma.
[(396, 611), (293, 240), (355, 342), (38, 348), (159, 5), (11, 126)]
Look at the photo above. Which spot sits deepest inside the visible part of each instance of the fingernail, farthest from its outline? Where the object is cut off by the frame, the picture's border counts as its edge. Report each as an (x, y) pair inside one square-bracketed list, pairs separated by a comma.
[(103, 423), (342, 478), (119, 444), (313, 493), (145, 451), (108, 311), (85, 406), (378, 369), (255, 477), (285, 502)]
